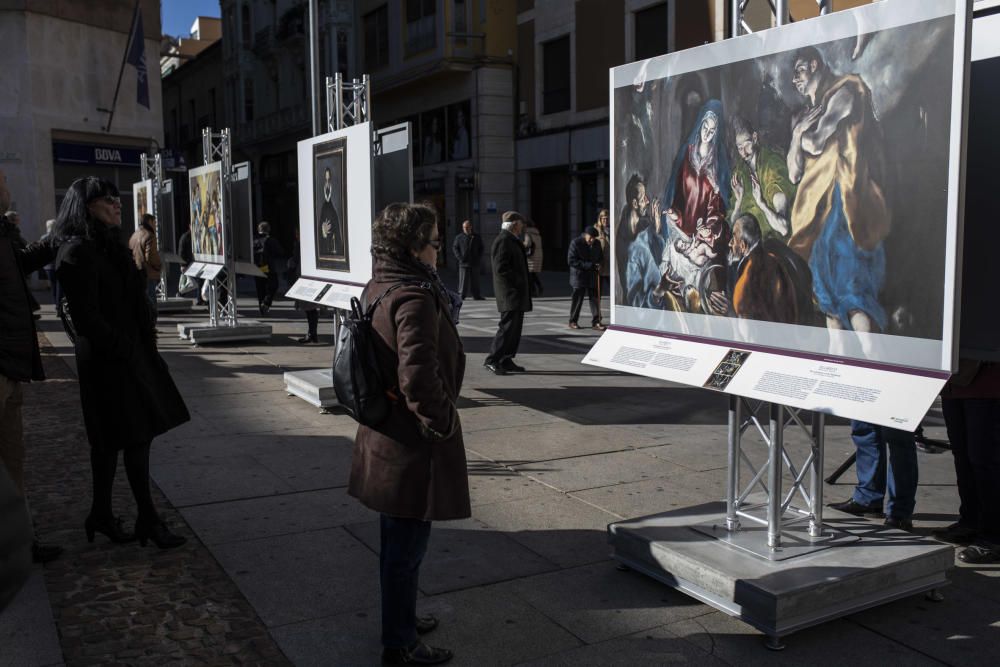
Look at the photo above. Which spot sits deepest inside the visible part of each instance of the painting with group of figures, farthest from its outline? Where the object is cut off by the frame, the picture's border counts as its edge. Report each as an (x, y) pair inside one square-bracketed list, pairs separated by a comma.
[(797, 188)]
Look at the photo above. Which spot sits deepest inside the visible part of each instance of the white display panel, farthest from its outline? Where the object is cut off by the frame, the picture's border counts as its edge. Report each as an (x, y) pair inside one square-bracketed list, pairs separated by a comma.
[(208, 211), (333, 295), (876, 395), (142, 201), (336, 247), (857, 259)]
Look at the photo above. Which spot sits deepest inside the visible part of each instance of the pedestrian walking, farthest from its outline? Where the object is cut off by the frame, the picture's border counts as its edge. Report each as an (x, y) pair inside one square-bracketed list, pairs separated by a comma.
[(535, 253), (468, 250), (411, 468), (897, 474), (146, 254), (50, 269), (126, 391), (20, 359), (292, 273), (513, 294), (603, 227), (267, 253), (971, 405), (584, 259)]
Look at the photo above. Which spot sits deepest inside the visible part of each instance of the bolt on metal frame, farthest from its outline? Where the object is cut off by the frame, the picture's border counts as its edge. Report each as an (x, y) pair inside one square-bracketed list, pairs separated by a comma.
[(216, 147)]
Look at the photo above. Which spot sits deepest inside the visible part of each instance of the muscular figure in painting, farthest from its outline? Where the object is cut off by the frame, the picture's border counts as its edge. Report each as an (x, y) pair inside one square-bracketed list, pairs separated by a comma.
[(840, 216)]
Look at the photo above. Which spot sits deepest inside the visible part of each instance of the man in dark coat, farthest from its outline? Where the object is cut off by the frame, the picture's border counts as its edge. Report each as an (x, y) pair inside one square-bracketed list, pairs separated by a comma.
[(20, 361), (584, 257), (762, 290), (468, 249), (267, 252), (513, 294)]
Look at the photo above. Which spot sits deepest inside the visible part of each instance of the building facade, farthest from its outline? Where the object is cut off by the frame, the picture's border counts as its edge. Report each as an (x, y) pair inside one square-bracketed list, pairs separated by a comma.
[(265, 57), (447, 68), (53, 114)]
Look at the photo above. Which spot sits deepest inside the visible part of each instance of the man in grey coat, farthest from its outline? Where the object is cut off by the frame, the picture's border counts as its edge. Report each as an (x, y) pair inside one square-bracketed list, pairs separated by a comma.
[(513, 293)]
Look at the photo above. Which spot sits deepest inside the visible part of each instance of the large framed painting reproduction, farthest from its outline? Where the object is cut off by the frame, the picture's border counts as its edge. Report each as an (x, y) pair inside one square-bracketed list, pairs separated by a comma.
[(142, 201), (797, 191), (335, 205), (207, 213), (330, 205)]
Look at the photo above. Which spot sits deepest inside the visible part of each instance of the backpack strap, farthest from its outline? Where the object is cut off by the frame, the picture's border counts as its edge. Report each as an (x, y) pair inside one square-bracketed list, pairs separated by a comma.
[(371, 308)]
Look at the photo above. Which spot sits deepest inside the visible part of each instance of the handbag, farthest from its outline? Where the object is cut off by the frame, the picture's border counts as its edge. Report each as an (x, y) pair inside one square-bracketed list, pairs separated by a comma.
[(187, 285)]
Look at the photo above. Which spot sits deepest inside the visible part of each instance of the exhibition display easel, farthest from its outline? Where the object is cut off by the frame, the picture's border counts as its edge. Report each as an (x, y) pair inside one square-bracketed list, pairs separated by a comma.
[(151, 168), (759, 555), (223, 324), (385, 176)]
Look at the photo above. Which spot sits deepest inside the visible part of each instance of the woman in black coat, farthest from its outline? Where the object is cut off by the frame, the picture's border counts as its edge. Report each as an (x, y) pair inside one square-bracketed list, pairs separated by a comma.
[(126, 390)]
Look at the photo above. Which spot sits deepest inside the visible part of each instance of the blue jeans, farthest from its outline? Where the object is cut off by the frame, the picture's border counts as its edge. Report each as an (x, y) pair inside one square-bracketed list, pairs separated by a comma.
[(404, 543), (875, 471)]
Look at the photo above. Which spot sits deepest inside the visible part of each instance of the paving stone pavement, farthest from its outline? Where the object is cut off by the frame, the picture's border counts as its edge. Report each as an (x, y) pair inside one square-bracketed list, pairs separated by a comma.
[(124, 604), (287, 562)]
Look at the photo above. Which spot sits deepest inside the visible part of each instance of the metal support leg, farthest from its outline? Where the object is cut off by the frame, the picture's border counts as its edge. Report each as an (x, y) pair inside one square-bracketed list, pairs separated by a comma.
[(774, 470), (816, 475), (213, 303), (733, 461)]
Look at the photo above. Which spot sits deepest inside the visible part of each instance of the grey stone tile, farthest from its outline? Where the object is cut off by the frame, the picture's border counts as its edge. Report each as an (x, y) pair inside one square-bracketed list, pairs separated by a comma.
[(962, 629), (554, 441), (596, 470), (304, 576), (650, 648), (836, 643), (464, 554), (239, 520), (495, 413), (211, 478), (677, 489), (564, 530), (493, 483), (351, 638), (598, 602), (705, 453)]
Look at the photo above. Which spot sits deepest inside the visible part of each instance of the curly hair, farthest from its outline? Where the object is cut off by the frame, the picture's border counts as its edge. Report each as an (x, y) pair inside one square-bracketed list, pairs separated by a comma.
[(401, 229)]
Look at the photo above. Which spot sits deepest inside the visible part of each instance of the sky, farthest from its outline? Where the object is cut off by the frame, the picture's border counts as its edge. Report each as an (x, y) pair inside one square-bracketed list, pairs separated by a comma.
[(178, 15)]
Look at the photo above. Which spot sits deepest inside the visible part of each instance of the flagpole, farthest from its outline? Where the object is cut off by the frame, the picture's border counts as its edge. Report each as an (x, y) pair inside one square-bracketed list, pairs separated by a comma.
[(121, 71)]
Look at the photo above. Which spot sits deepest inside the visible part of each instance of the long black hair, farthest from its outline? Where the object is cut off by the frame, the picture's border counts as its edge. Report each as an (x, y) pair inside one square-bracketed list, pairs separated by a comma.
[(73, 219)]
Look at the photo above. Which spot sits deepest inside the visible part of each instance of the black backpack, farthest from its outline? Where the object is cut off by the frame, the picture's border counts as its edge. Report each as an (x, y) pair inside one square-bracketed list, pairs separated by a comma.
[(258, 253), (359, 385)]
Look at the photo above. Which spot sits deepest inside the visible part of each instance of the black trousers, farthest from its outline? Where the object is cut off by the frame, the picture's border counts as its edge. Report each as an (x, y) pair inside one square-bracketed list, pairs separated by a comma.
[(104, 464), (508, 337), (536, 284), (468, 279), (267, 287), (403, 545), (974, 431), (576, 304)]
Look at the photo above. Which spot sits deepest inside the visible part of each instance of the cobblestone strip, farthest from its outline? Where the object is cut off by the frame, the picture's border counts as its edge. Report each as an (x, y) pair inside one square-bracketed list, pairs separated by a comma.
[(125, 604)]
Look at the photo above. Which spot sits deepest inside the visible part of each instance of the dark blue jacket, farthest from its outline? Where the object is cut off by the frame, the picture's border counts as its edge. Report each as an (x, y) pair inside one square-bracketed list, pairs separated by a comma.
[(584, 262)]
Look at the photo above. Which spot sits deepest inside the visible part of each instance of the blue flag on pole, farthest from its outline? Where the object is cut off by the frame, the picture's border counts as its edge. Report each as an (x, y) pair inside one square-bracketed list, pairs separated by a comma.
[(137, 58)]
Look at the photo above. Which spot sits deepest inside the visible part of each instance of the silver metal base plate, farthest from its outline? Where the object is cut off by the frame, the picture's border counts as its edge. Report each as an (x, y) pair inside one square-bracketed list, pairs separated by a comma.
[(795, 539), (174, 305), (203, 332), (313, 386), (778, 597)]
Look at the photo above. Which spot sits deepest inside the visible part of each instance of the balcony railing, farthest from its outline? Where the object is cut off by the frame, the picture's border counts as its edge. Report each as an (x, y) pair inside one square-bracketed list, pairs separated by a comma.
[(274, 124)]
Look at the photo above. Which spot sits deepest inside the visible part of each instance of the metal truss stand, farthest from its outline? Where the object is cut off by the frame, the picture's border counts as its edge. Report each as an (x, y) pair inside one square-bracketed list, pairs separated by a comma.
[(151, 168), (223, 323), (347, 104), (756, 555)]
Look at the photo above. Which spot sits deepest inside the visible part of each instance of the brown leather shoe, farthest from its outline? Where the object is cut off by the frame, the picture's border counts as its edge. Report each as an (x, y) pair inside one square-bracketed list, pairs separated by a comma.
[(574, 325)]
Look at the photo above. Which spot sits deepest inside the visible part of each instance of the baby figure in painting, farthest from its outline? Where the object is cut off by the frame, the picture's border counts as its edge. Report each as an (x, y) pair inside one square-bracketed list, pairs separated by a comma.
[(698, 248)]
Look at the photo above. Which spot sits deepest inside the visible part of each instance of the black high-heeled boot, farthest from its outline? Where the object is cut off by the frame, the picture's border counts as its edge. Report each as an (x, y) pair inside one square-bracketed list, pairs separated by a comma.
[(158, 533), (112, 527)]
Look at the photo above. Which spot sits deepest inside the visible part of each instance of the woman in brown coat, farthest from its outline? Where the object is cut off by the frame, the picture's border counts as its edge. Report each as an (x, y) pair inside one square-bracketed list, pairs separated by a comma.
[(411, 468)]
